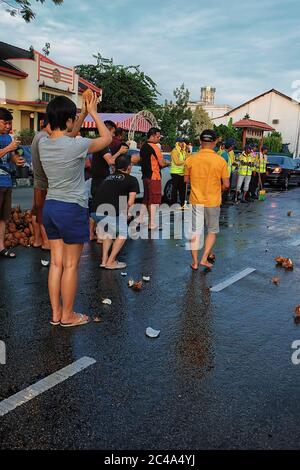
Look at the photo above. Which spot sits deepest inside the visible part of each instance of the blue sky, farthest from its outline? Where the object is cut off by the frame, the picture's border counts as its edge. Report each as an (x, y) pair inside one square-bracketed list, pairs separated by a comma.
[(242, 48)]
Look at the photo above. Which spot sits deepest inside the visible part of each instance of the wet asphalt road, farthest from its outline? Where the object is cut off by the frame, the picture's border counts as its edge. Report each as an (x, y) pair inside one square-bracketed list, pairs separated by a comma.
[(219, 376)]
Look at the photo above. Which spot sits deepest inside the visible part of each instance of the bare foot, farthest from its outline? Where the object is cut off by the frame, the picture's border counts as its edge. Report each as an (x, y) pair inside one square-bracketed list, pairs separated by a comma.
[(74, 319), (206, 264)]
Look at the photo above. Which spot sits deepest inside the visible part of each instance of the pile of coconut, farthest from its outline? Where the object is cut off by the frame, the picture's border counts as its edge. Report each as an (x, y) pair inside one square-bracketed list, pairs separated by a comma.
[(19, 229)]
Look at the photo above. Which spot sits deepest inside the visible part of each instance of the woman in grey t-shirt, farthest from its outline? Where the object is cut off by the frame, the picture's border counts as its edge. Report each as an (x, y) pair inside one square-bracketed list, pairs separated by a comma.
[(65, 214)]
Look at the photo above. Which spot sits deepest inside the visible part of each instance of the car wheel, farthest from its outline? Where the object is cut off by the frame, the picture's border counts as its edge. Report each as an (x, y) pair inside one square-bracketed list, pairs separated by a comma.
[(168, 192)]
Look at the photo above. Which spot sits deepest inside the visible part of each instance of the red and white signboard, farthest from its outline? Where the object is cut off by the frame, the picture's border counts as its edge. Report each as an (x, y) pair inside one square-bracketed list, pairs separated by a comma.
[(55, 75)]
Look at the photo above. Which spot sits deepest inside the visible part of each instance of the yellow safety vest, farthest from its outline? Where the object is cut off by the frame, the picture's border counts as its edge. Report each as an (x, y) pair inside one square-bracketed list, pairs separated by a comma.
[(176, 169), (246, 164), (262, 163)]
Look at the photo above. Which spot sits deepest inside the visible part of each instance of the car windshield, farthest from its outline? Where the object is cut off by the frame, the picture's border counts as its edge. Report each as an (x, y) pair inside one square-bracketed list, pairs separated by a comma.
[(276, 160)]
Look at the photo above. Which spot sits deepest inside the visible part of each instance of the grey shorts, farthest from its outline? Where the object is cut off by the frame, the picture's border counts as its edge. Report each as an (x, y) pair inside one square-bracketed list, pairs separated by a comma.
[(205, 216), (243, 179), (212, 219)]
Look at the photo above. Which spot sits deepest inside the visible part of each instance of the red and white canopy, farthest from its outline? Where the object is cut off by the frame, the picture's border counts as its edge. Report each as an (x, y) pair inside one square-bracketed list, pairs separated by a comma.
[(121, 120)]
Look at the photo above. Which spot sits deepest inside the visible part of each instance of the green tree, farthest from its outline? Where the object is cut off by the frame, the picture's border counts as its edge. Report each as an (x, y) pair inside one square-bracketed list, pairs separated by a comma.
[(274, 141), (126, 89), (200, 121), (230, 132), (175, 118), (23, 8)]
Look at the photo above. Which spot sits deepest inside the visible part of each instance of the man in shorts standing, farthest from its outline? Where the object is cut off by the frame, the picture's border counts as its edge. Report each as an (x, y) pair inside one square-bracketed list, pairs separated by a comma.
[(151, 162), (208, 175), (8, 154), (40, 185), (40, 181)]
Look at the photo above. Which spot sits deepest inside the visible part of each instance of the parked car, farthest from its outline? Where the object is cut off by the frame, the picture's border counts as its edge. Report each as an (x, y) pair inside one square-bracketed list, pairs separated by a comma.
[(296, 162), (166, 178), (281, 171)]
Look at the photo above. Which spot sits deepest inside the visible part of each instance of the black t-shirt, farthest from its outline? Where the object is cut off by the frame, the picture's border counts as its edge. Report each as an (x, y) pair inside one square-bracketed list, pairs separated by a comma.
[(114, 186), (146, 152), (100, 167)]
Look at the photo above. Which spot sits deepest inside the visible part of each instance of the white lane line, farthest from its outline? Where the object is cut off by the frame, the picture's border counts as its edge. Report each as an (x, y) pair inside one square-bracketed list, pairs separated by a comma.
[(295, 243), (231, 280), (43, 385)]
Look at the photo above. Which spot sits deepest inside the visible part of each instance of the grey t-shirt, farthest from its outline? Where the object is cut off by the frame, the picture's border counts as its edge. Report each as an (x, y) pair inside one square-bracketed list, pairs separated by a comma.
[(40, 180), (63, 161)]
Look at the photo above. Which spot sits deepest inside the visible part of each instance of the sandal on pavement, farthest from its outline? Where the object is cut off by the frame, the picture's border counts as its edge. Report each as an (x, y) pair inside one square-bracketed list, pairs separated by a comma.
[(7, 254), (118, 265), (54, 323), (83, 321), (194, 269)]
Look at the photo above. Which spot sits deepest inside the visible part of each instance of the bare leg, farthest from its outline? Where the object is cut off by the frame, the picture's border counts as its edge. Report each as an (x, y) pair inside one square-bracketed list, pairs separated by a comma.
[(152, 212), (2, 234), (54, 279), (92, 229), (118, 243), (71, 258), (195, 251), (210, 240), (36, 233), (106, 244)]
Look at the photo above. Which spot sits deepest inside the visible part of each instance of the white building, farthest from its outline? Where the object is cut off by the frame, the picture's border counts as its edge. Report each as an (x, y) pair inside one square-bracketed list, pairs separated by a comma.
[(276, 109), (207, 101)]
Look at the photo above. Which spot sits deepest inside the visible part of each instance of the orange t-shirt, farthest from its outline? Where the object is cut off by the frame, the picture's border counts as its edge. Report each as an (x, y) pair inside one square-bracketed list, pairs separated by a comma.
[(206, 169), (156, 162)]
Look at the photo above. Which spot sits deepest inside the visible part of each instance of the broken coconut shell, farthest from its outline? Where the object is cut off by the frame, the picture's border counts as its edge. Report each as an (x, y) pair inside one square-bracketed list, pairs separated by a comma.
[(297, 311), (288, 264), (87, 95), (280, 259), (137, 285), (276, 281)]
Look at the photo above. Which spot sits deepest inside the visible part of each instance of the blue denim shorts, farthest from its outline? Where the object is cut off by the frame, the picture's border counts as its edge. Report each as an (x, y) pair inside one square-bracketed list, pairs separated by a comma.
[(67, 221)]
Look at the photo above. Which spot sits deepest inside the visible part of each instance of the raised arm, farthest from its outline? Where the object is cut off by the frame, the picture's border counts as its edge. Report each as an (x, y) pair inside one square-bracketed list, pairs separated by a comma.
[(105, 137), (78, 124)]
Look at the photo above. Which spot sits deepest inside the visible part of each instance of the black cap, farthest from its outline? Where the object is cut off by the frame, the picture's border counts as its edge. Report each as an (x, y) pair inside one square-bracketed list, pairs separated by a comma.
[(208, 136)]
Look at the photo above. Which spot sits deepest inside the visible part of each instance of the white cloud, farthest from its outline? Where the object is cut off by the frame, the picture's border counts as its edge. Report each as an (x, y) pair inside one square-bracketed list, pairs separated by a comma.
[(233, 46)]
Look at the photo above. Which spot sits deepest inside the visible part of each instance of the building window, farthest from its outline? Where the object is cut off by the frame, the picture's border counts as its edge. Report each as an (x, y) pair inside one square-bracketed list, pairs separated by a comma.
[(275, 121), (47, 97)]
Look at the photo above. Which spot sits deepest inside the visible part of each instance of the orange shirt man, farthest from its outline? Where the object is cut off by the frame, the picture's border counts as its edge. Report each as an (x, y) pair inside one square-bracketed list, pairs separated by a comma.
[(151, 162), (208, 175)]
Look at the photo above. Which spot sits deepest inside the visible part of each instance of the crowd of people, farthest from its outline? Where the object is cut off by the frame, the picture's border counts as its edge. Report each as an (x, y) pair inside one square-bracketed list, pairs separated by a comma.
[(65, 215)]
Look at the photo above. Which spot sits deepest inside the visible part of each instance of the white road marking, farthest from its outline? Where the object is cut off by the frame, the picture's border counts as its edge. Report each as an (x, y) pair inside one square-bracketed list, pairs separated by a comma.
[(295, 243), (43, 385), (236, 277)]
